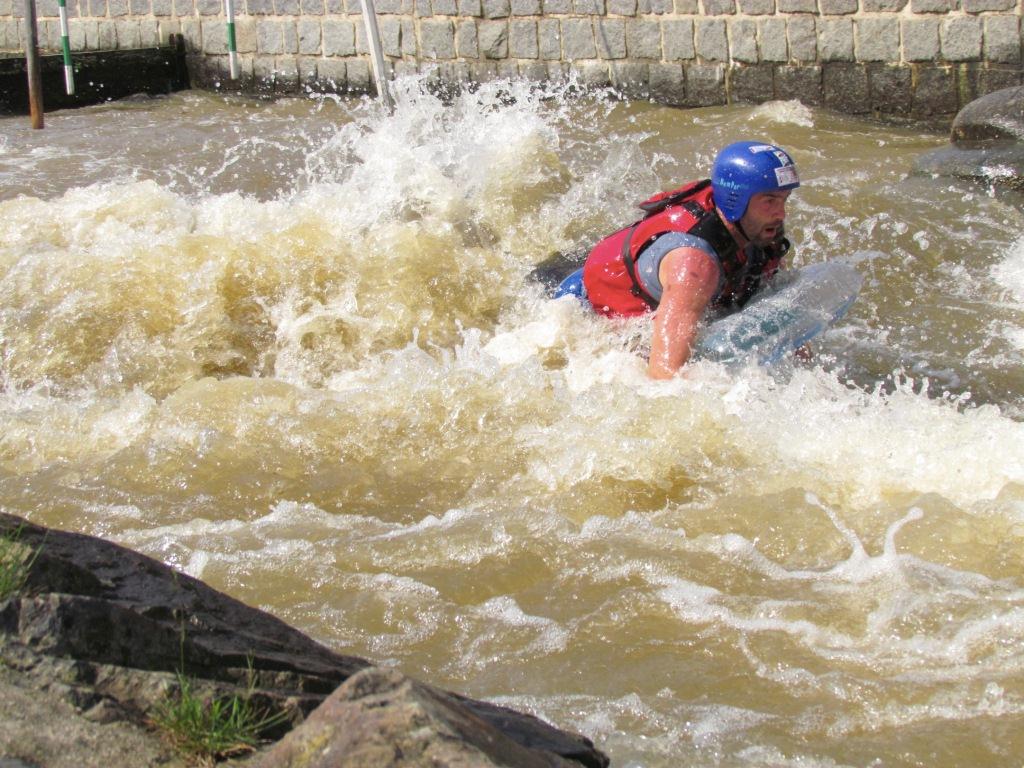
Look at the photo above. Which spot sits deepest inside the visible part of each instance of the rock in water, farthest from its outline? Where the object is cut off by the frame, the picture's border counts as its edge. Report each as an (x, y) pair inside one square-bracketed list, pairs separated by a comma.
[(987, 142), (1000, 164), (997, 116)]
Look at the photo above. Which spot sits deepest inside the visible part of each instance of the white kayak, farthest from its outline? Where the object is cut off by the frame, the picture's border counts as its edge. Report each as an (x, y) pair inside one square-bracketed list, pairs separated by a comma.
[(799, 305)]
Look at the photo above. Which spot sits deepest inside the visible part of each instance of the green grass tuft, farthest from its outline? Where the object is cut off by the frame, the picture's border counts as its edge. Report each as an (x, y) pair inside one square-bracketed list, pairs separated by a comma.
[(16, 561), (212, 730)]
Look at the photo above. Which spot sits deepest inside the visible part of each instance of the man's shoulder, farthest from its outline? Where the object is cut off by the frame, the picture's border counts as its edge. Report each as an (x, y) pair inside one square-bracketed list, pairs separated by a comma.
[(689, 263)]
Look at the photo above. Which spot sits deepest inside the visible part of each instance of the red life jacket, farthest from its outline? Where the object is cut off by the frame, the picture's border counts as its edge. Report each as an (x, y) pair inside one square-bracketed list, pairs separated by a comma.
[(609, 273)]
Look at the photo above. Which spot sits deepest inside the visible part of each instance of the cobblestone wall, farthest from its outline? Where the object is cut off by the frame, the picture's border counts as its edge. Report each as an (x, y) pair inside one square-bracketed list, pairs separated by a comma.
[(902, 57)]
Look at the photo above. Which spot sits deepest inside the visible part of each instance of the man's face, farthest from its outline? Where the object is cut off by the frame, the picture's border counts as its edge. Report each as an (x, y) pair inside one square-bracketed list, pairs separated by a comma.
[(764, 217)]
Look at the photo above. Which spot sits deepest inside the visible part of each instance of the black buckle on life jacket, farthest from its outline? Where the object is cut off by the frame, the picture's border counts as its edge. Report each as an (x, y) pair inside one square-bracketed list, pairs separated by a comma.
[(627, 259)]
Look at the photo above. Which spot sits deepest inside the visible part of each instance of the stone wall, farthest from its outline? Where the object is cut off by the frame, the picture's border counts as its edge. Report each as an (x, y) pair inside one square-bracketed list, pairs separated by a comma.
[(898, 57)]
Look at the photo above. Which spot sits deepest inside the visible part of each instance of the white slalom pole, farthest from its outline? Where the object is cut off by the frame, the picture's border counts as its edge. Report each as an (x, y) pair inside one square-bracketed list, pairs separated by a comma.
[(65, 45), (229, 11), (373, 36)]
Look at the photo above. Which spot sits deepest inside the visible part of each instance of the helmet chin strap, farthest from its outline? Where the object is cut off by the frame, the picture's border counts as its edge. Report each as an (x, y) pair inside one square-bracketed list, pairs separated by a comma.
[(736, 224), (739, 226)]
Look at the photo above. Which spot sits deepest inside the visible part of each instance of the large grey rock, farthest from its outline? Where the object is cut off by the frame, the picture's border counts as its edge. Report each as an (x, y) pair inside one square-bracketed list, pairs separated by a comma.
[(107, 629), (997, 116)]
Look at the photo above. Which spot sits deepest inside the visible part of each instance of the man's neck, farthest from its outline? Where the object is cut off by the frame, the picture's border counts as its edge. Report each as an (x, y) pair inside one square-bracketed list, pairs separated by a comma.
[(735, 229)]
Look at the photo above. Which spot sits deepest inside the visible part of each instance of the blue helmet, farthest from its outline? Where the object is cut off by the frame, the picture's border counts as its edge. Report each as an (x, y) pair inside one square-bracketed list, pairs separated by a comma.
[(745, 168)]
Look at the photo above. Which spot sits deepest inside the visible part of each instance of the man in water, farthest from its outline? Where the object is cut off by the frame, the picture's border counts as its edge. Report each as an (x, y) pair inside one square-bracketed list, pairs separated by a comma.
[(708, 245)]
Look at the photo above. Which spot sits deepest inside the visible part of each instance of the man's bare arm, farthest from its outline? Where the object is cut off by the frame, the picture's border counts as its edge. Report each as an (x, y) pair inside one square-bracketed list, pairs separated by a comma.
[(689, 278)]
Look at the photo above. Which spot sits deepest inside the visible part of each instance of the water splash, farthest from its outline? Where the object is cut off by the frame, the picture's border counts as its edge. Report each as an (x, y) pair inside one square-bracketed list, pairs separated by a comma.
[(316, 376), (785, 112)]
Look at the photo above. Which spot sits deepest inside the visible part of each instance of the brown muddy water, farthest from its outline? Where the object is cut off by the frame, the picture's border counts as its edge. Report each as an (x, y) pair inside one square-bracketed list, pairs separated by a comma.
[(291, 349)]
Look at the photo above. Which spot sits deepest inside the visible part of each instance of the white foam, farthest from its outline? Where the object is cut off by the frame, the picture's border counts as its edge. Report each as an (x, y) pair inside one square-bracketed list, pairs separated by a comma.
[(700, 604), (515, 346), (708, 725), (197, 563), (446, 522), (403, 585), (791, 112), (758, 756), (874, 443), (1009, 272)]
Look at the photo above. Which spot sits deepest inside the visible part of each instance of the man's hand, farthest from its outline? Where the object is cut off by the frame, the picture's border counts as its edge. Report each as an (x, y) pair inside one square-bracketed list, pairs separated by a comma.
[(804, 354)]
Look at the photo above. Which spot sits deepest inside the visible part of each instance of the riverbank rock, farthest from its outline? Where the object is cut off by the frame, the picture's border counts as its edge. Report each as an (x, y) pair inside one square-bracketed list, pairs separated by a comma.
[(987, 139), (40, 728), (380, 719), (99, 633)]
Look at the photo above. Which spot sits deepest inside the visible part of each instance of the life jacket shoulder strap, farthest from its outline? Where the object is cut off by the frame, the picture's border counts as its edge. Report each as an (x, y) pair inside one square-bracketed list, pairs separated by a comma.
[(659, 202), (710, 227), (630, 264), (681, 196)]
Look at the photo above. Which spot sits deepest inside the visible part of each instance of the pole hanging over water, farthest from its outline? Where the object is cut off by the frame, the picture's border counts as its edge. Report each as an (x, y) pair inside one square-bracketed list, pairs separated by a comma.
[(229, 12), (35, 78), (65, 46), (373, 36)]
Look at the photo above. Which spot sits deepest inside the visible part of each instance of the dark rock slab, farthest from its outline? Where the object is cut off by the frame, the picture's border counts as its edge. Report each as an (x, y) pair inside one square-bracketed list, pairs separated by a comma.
[(108, 629), (93, 601)]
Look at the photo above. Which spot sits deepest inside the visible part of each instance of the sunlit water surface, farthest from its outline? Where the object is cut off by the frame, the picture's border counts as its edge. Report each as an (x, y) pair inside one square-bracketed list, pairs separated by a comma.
[(292, 349)]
